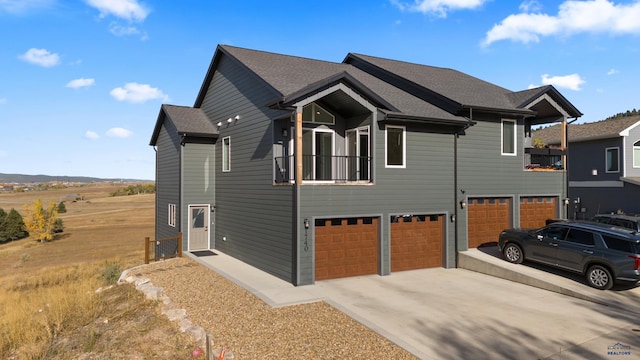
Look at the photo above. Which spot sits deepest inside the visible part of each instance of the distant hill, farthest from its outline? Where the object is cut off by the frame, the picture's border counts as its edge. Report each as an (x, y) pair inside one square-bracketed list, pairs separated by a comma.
[(21, 178)]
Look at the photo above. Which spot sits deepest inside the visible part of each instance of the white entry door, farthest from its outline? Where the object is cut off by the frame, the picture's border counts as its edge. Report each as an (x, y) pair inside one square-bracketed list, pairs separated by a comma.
[(198, 227)]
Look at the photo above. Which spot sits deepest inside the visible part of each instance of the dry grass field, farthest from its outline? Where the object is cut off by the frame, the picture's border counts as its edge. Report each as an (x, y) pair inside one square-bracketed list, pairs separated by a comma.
[(49, 307)]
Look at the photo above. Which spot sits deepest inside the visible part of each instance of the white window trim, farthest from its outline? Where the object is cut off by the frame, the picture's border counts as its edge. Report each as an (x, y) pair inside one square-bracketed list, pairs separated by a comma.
[(357, 131), (606, 164), (226, 155), (515, 137), (313, 149), (404, 147), (636, 148), (171, 214)]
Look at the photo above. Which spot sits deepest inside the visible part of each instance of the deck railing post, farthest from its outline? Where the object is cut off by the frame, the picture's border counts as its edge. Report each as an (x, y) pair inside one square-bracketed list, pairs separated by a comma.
[(146, 250), (180, 244)]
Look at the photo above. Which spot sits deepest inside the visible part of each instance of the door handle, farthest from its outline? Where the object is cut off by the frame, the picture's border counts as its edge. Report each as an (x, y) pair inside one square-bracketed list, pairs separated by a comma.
[(588, 252), (553, 244)]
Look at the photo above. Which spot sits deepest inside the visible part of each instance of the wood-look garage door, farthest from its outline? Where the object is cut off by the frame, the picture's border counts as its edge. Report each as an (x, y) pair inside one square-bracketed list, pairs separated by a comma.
[(487, 217), (416, 242), (535, 210), (345, 247)]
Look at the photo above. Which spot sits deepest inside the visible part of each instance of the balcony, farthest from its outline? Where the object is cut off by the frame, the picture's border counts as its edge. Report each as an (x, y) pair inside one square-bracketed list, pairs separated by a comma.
[(543, 159), (325, 169)]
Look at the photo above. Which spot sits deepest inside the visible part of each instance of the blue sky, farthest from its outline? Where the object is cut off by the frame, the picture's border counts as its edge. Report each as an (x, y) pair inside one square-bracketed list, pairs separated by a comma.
[(82, 81)]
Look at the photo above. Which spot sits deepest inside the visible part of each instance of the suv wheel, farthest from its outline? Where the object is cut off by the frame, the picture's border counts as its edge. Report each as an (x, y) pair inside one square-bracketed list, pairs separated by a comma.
[(599, 277), (513, 253)]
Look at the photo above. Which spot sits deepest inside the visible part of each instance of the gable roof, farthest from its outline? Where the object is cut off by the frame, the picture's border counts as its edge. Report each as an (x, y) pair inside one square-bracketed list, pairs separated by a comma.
[(604, 129), (188, 121)]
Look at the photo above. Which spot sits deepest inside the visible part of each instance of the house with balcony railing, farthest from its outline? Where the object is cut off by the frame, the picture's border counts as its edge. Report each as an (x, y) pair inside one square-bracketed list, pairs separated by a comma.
[(313, 170)]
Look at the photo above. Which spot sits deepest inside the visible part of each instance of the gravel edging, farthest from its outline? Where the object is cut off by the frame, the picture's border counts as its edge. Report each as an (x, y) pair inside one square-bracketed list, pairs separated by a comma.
[(203, 301)]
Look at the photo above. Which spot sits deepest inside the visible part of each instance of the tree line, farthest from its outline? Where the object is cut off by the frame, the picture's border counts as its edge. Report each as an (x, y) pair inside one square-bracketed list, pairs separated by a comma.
[(39, 221), (628, 113), (137, 189)]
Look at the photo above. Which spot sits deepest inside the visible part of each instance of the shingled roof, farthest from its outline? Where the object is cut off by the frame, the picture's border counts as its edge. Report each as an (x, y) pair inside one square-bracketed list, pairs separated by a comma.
[(603, 129), (188, 121)]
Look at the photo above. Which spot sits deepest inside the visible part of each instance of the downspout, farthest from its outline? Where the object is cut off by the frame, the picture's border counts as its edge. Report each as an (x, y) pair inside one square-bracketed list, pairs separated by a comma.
[(455, 185), (566, 161)]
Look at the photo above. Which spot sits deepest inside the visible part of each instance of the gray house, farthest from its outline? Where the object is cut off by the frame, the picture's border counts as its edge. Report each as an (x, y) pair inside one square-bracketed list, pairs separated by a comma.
[(604, 165), (313, 170)]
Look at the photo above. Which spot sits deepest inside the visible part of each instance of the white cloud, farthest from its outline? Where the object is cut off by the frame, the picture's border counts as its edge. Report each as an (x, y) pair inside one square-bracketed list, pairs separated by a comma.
[(91, 135), (437, 7), (81, 82), (119, 30), (612, 72), (591, 16), (137, 93), (530, 6), (573, 81), (40, 57), (22, 6), (119, 132), (130, 10)]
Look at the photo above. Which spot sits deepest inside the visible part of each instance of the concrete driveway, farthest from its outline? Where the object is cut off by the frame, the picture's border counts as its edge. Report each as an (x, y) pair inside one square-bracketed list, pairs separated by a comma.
[(463, 314)]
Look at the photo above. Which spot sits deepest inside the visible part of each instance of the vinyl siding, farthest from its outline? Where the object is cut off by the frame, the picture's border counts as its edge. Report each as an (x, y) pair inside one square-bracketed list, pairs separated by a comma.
[(167, 180), (484, 172), (425, 186), (253, 215), (584, 157), (198, 177)]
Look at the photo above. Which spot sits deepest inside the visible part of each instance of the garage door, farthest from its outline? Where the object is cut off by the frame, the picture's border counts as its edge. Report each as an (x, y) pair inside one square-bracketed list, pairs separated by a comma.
[(416, 242), (346, 247), (487, 217), (535, 210)]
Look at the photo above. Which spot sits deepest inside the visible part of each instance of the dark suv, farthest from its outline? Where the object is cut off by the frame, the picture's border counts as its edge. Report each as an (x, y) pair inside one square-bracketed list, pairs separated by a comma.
[(603, 254), (620, 220)]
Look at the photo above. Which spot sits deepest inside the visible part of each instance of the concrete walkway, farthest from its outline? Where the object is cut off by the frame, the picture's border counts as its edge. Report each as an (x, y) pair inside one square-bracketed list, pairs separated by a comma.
[(463, 314)]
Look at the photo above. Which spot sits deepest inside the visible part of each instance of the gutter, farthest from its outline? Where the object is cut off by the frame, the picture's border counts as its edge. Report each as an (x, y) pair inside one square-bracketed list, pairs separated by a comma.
[(454, 219)]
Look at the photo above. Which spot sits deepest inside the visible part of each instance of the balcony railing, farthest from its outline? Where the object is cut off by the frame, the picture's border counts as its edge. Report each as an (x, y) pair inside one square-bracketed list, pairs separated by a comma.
[(324, 168), (543, 159)]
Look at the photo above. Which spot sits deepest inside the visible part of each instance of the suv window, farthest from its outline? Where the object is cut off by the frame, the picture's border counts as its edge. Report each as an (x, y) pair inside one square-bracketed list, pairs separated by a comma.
[(620, 244), (554, 232), (580, 237)]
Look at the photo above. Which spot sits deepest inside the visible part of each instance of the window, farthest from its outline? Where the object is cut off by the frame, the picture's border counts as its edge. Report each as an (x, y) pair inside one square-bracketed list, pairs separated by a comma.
[(508, 137), (358, 154), (317, 154), (580, 237), (395, 146), (636, 154), (226, 154), (612, 160), (172, 215), (313, 113), (619, 244)]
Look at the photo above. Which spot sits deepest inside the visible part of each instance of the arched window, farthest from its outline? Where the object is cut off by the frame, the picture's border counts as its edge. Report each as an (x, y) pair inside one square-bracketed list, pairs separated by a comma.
[(636, 154)]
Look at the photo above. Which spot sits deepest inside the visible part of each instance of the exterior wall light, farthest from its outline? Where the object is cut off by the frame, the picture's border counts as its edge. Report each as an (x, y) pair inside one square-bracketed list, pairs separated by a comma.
[(463, 204)]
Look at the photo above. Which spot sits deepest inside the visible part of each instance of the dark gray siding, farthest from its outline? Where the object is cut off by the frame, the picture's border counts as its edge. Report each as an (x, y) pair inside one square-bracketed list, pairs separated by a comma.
[(167, 180), (595, 200), (253, 217), (590, 155), (198, 179), (484, 172), (425, 186)]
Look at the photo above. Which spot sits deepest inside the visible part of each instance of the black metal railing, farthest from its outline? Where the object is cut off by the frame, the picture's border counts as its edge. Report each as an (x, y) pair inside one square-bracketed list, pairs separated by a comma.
[(543, 158), (327, 168)]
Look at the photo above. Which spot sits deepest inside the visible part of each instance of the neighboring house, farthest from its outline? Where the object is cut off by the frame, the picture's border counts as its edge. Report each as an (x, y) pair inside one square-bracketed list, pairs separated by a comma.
[(313, 170), (603, 166)]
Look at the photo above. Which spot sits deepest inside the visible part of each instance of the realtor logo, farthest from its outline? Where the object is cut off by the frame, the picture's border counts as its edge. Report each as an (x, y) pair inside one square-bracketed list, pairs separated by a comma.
[(619, 349)]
